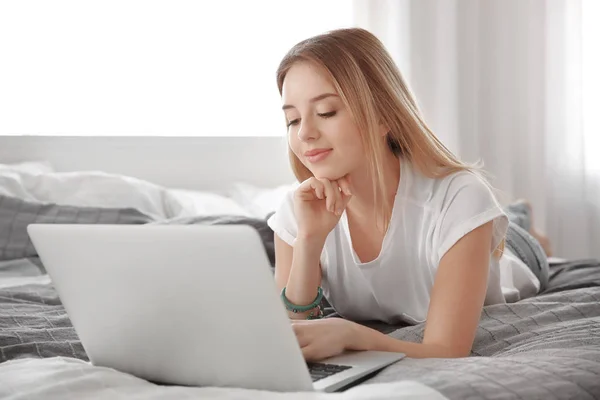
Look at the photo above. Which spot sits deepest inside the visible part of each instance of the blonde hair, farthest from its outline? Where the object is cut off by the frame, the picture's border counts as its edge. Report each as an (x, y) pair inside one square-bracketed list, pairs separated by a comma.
[(372, 88)]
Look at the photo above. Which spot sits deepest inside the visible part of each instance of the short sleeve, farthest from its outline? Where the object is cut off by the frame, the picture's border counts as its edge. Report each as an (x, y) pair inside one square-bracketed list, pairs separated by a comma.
[(467, 204), (283, 222)]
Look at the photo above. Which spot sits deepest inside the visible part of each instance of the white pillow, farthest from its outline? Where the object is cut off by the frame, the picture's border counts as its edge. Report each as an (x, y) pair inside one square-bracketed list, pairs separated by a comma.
[(259, 202), (193, 203), (33, 182), (31, 167), (88, 188)]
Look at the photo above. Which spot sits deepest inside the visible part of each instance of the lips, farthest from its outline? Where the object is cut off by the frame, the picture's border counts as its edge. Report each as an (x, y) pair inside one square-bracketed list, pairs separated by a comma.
[(317, 155), (315, 152)]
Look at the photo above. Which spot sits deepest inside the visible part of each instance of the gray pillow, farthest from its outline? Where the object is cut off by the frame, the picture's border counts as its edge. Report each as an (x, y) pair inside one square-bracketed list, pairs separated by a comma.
[(16, 214), (265, 232)]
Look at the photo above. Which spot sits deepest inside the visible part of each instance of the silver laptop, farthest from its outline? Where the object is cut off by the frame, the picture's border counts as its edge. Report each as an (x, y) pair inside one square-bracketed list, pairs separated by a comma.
[(186, 305)]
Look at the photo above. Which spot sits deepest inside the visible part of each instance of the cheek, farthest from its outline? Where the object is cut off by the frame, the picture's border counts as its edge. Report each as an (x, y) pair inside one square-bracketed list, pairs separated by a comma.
[(350, 140), (353, 152), (293, 142)]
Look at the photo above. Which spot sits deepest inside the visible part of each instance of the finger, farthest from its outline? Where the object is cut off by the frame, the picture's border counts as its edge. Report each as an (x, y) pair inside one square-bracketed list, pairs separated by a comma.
[(310, 189), (303, 340), (339, 206), (345, 191), (318, 189), (349, 180), (344, 185), (345, 201), (297, 326), (310, 352), (301, 336), (329, 195)]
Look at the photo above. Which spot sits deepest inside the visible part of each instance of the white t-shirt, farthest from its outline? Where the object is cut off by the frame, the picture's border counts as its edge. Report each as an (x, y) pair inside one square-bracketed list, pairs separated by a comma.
[(429, 216)]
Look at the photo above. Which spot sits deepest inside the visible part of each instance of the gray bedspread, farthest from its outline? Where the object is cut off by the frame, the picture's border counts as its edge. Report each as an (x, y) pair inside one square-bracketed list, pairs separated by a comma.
[(544, 347), (33, 323), (547, 347)]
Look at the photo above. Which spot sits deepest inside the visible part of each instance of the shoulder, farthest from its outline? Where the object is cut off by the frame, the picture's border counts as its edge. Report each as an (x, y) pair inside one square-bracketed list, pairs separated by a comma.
[(467, 188), (465, 201)]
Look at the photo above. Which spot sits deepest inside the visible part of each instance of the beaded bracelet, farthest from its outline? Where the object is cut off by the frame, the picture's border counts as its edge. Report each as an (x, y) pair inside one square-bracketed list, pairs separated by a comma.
[(319, 314), (299, 309)]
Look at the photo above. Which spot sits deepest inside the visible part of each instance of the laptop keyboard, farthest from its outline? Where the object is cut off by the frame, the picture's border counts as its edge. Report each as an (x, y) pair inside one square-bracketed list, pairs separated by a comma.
[(319, 371)]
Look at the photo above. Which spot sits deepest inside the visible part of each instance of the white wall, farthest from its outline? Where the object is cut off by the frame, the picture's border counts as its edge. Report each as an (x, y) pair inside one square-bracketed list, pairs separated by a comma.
[(203, 163)]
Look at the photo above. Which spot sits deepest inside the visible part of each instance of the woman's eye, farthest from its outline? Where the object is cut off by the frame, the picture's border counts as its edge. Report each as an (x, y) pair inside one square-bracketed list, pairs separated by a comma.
[(293, 122), (327, 115)]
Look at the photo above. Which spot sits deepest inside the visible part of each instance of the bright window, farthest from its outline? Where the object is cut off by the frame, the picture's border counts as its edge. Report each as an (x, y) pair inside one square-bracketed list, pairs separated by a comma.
[(591, 83), (167, 68)]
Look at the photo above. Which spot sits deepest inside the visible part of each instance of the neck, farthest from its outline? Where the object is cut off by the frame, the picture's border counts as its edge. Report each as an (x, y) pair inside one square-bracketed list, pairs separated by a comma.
[(363, 195)]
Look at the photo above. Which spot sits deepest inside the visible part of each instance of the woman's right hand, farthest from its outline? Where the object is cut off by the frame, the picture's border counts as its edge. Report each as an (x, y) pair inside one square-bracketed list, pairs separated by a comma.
[(318, 205)]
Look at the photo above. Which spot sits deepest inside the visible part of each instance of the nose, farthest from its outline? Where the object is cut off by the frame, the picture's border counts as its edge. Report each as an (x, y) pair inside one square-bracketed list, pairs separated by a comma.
[(308, 130)]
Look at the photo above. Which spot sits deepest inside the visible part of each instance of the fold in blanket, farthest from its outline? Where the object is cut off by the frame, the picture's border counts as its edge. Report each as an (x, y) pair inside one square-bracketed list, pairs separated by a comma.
[(548, 344)]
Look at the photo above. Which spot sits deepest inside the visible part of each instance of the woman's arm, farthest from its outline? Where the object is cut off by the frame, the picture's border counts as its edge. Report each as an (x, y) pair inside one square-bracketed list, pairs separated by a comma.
[(455, 307), (298, 270)]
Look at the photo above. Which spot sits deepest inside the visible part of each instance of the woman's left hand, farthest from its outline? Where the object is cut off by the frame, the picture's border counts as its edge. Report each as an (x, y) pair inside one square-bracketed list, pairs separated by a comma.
[(323, 338)]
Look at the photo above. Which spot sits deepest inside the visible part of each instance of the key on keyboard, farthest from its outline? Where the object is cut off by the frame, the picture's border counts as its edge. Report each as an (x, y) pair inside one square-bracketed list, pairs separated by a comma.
[(319, 370)]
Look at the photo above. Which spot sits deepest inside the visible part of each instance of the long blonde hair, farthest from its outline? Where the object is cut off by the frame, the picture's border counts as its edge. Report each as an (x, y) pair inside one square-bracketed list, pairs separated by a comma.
[(372, 88)]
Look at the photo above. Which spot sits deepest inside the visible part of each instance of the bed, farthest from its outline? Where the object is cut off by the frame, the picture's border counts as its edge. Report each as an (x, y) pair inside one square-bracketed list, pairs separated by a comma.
[(543, 347)]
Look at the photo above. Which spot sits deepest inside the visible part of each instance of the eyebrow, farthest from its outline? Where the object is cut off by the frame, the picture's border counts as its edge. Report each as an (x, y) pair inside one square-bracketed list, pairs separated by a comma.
[(314, 99)]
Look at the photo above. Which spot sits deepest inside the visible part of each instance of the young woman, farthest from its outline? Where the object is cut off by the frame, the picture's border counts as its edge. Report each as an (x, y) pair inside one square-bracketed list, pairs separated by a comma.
[(386, 223)]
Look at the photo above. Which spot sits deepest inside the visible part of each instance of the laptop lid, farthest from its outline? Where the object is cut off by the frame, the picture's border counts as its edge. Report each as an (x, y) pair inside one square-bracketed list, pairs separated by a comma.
[(188, 305)]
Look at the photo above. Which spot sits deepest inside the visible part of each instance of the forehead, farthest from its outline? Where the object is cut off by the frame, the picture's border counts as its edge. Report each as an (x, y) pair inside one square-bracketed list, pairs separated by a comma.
[(304, 81)]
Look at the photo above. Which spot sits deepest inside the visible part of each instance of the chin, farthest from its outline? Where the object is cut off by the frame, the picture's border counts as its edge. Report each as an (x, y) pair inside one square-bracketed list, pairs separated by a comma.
[(331, 174)]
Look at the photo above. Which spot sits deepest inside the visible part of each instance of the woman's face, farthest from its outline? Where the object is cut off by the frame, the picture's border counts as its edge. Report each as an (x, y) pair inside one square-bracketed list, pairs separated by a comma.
[(321, 131)]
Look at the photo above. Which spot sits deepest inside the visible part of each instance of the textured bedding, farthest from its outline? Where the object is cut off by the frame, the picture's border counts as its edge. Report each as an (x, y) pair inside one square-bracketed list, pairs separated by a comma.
[(16, 214), (71, 379), (543, 347)]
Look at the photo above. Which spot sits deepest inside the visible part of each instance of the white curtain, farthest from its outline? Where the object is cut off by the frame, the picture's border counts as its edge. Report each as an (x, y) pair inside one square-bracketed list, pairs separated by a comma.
[(501, 81)]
